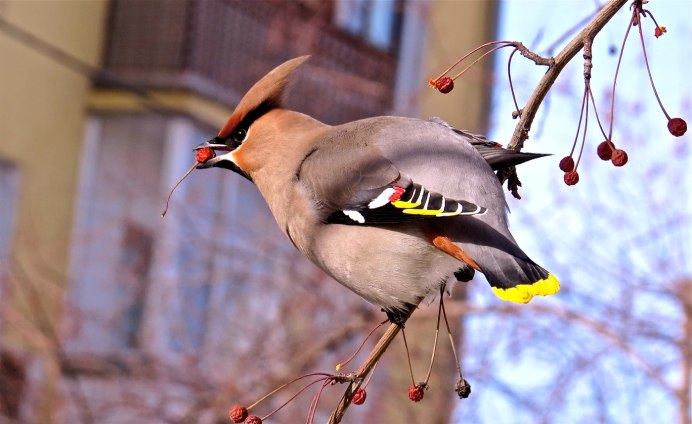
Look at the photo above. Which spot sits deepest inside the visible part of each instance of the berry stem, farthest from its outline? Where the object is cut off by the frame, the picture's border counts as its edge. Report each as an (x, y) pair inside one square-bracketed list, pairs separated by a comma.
[(451, 340), (437, 333), (482, 46), (367, 380), (260, 400), (581, 117), (617, 72), (353, 355), (315, 401), (511, 85), (595, 111), (366, 367), (481, 57), (170, 193), (408, 356), (648, 70), (586, 126), (298, 393), (556, 66)]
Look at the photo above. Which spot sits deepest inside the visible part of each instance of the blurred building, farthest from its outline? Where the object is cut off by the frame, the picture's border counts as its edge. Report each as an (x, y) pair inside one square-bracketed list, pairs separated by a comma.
[(101, 105)]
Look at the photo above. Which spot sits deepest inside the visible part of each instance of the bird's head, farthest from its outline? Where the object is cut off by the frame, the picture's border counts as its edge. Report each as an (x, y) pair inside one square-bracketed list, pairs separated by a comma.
[(265, 96)]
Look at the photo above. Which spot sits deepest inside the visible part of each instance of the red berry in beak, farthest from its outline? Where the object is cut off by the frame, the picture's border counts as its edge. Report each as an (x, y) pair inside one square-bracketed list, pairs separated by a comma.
[(677, 126), (204, 154)]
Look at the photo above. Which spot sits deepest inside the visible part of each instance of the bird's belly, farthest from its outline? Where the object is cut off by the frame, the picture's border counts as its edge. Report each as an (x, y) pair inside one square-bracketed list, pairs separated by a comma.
[(387, 266)]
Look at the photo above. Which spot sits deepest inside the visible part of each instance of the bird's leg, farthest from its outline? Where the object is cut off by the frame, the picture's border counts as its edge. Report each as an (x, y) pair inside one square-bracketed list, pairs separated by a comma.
[(399, 316), (464, 274)]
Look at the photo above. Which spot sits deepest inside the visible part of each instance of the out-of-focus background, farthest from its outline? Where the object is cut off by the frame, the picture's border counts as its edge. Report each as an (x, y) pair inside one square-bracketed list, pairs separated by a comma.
[(110, 314)]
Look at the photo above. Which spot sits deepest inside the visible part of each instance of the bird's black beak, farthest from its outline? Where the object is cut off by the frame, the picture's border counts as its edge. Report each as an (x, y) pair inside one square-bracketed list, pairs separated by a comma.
[(221, 161)]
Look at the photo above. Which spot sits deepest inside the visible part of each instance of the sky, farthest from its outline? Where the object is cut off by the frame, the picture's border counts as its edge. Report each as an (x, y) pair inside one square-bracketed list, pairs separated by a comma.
[(615, 208)]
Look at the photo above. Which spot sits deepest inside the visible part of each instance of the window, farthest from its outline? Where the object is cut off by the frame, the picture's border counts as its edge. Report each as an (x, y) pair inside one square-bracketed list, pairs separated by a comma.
[(377, 21), (135, 262), (9, 190), (140, 281), (116, 227)]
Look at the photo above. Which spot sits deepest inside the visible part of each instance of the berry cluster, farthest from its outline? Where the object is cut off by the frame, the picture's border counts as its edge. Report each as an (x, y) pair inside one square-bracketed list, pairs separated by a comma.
[(607, 150), (240, 414)]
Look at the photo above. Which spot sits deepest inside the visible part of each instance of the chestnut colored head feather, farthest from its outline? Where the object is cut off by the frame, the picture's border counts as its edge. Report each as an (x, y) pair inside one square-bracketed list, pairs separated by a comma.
[(269, 91)]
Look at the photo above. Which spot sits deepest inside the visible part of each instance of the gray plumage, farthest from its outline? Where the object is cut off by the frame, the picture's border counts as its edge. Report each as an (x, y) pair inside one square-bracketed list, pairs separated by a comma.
[(381, 248)]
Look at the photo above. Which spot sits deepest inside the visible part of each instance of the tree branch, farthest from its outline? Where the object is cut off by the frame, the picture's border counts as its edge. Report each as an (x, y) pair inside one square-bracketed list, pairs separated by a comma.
[(521, 131), (528, 113), (367, 366)]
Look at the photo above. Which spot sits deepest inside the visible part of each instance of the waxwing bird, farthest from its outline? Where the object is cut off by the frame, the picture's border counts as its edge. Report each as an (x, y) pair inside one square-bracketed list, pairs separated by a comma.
[(390, 207)]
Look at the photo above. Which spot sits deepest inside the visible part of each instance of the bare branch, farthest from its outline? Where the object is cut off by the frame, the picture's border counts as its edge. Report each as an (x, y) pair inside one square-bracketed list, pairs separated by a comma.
[(521, 131), (367, 366)]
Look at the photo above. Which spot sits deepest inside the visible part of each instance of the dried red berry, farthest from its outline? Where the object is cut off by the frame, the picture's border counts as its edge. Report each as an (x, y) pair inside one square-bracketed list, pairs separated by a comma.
[(416, 393), (237, 413), (605, 150), (659, 31), (567, 164), (619, 157), (204, 154), (677, 126), (444, 84), (571, 178), (252, 419), (463, 388), (359, 396)]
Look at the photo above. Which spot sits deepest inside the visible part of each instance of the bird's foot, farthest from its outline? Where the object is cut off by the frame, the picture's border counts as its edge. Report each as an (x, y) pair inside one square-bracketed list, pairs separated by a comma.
[(399, 316), (464, 274)]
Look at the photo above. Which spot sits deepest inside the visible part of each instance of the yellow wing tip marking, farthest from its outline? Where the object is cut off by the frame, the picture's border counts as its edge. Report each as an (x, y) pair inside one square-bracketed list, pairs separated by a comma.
[(405, 205), (523, 293), (423, 211)]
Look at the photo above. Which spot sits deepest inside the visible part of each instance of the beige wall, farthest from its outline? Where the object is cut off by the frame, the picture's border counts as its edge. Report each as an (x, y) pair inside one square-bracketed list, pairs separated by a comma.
[(42, 112), (457, 27)]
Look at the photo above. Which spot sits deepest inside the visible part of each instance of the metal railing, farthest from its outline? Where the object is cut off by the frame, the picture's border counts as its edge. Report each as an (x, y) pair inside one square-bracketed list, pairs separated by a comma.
[(219, 48)]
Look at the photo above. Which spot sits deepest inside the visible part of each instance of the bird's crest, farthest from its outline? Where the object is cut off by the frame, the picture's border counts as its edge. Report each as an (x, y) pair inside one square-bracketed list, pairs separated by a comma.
[(267, 93)]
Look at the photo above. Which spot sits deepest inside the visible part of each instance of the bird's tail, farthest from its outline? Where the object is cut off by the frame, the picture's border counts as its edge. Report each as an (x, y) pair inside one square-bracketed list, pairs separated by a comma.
[(517, 278), (500, 158)]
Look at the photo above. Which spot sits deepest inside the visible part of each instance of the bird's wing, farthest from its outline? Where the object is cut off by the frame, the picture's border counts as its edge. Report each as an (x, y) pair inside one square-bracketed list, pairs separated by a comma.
[(497, 156), (353, 183)]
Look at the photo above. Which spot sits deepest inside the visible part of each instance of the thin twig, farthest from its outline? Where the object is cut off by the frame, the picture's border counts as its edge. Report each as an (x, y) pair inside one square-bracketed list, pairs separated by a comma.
[(521, 131), (365, 369)]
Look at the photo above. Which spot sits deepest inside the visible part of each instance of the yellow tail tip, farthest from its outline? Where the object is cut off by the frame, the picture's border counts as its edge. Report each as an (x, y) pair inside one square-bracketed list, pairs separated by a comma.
[(523, 293)]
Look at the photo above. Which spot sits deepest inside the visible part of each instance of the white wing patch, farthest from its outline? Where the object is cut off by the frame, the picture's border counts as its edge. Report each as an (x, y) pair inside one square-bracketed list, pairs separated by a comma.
[(382, 199), (355, 215)]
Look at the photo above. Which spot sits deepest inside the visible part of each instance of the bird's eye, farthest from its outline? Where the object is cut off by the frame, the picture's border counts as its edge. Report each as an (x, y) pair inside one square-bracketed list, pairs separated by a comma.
[(239, 135)]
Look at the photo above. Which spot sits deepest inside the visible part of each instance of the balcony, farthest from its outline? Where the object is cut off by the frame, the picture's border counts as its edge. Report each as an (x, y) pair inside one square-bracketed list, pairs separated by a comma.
[(219, 48)]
